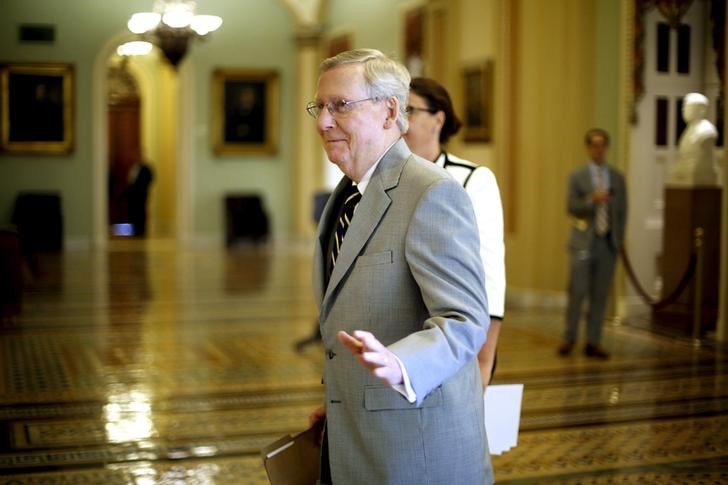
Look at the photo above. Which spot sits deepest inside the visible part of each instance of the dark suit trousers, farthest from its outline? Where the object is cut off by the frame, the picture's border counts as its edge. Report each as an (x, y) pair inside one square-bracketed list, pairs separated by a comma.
[(591, 275), (325, 478)]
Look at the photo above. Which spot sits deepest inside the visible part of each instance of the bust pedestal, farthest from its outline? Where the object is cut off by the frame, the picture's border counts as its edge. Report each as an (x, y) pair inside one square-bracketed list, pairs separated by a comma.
[(687, 208)]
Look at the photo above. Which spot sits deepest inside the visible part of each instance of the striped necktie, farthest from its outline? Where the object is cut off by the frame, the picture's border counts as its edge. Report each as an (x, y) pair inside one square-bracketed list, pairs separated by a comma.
[(352, 196), (601, 216)]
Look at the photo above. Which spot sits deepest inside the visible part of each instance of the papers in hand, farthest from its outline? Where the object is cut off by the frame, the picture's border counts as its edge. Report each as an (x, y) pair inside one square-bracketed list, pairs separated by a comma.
[(294, 460), (502, 416)]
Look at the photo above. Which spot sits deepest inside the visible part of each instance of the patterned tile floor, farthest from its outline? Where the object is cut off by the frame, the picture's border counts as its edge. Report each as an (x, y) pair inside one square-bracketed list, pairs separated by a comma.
[(149, 364)]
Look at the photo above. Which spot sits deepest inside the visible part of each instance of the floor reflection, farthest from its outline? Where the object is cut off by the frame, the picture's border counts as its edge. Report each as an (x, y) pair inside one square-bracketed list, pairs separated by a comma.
[(150, 364), (128, 416), (254, 262)]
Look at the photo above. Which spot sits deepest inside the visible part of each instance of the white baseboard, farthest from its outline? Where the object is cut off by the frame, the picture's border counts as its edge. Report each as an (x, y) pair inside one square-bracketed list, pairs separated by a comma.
[(76, 244)]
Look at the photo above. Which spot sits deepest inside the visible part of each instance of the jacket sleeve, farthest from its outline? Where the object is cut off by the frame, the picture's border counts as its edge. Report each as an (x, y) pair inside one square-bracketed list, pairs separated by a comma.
[(442, 252), (579, 198)]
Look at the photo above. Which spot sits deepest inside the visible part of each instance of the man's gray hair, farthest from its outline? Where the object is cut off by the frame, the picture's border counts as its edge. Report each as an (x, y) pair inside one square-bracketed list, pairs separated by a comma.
[(384, 77)]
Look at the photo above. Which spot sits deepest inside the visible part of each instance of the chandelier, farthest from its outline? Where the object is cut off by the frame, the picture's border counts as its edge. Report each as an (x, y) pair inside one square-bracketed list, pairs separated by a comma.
[(172, 25)]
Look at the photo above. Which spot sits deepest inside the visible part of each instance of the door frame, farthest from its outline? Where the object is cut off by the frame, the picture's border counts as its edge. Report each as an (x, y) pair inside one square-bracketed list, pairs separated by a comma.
[(184, 144)]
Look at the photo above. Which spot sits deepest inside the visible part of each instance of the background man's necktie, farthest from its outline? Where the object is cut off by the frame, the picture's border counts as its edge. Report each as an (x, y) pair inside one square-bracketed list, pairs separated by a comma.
[(601, 217), (352, 197)]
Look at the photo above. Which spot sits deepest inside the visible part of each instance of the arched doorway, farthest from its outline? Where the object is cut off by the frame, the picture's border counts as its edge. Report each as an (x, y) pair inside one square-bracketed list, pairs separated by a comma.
[(165, 140), (127, 216)]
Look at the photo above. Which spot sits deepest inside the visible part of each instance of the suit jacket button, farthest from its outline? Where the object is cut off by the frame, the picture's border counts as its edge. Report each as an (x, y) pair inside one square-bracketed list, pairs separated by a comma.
[(330, 354)]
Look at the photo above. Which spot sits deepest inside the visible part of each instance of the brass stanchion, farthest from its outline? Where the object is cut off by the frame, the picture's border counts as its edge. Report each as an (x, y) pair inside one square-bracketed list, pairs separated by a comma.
[(698, 295)]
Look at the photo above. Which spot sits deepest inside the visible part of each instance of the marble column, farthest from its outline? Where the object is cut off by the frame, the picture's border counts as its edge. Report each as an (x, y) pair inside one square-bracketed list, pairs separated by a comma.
[(308, 170), (722, 324)]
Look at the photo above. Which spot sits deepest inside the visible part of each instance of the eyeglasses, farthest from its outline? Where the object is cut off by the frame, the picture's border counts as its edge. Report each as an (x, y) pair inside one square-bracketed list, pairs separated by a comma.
[(334, 108), (411, 109)]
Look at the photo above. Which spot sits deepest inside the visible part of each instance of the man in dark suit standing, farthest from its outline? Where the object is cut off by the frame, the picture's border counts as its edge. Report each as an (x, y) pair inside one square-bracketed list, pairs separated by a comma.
[(597, 202)]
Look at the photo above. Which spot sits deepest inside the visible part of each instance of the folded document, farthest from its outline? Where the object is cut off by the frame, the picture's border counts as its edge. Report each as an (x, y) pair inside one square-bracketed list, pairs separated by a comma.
[(502, 416), (294, 460)]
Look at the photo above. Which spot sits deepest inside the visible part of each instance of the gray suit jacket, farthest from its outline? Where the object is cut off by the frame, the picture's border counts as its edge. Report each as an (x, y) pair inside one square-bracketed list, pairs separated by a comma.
[(581, 208), (409, 271)]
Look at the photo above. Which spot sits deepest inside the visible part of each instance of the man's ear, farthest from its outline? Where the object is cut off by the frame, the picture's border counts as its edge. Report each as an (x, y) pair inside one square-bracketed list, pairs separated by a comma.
[(392, 104)]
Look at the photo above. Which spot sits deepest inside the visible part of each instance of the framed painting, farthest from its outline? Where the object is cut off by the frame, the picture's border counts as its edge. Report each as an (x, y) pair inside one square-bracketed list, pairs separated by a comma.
[(244, 111), (37, 108), (338, 44), (414, 41), (478, 96)]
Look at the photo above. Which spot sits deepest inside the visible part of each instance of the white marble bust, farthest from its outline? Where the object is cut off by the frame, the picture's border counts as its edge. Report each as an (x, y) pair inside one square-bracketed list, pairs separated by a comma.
[(695, 154)]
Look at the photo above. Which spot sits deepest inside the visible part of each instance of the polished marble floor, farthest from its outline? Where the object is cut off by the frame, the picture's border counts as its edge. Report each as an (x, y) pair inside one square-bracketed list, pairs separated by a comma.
[(149, 364)]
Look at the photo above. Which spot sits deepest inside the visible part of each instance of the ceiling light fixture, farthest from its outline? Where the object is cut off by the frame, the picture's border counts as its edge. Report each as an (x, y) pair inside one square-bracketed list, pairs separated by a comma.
[(171, 26), (134, 48)]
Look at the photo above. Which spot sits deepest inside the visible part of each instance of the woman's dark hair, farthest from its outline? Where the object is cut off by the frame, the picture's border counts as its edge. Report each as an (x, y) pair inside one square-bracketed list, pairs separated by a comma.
[(437, 99)]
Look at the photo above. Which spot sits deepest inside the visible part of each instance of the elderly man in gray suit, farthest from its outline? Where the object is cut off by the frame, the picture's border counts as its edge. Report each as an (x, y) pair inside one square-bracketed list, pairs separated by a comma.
[(400, 287), (597, 202)]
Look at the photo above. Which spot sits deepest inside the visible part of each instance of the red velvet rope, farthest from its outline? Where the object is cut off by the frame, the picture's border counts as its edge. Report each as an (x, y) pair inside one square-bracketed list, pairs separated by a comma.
[(669, 299)]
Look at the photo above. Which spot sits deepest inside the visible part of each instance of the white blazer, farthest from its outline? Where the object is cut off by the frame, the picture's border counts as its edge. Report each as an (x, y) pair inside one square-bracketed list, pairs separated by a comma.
[(482, 187)]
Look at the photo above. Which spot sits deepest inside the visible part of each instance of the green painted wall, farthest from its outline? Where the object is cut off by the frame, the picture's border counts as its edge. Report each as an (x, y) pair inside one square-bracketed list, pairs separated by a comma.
[(373, 24), (247, 43), (69, 174), (254, 34)]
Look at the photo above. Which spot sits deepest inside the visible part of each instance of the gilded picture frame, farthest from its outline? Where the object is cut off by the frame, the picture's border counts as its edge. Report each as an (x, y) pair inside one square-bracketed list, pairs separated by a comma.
[(478, 99), (414, 21), (37, 108), (245, 105), (339, 43)]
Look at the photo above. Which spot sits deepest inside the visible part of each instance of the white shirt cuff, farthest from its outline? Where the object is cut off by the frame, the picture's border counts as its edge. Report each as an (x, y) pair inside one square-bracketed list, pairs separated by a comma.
[(406, 388)]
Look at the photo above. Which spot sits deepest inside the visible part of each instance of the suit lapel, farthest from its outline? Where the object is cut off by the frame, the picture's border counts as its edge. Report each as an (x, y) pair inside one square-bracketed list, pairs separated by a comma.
[(586, 179), (326, 225), (368, 214)]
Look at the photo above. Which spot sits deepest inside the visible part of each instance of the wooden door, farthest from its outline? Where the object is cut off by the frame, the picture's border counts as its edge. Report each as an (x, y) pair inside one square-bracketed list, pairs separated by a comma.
[(124, 151)]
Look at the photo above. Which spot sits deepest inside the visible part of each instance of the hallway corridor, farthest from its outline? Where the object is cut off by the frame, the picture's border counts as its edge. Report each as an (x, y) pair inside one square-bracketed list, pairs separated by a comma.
[(150, 364)]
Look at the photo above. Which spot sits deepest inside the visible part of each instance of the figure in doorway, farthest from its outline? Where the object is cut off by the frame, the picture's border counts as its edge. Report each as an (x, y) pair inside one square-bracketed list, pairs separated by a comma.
[(137, 192)]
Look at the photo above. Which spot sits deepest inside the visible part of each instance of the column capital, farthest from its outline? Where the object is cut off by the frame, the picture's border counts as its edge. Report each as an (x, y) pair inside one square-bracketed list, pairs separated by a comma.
[(309, 35)]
